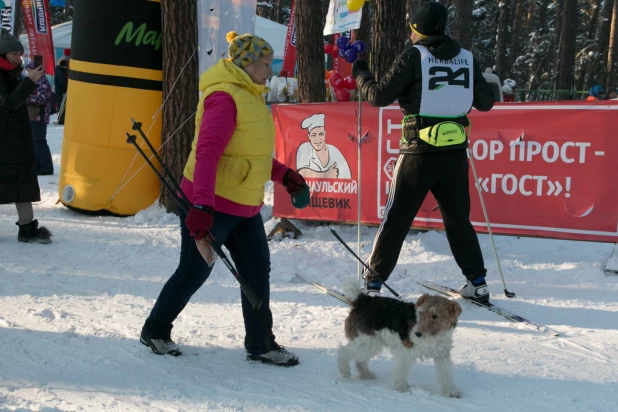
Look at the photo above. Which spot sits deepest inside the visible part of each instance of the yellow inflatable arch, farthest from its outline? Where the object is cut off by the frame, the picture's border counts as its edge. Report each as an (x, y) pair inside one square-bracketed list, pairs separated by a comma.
[(115, 75)]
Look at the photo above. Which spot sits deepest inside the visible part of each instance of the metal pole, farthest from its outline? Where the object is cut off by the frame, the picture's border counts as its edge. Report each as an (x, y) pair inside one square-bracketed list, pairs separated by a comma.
[(491, 235), (359, 184), (17, 13)]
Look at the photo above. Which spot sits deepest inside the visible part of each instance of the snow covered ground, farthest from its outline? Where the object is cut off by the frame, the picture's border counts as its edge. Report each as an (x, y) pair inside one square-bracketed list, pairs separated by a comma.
[(71, 312)]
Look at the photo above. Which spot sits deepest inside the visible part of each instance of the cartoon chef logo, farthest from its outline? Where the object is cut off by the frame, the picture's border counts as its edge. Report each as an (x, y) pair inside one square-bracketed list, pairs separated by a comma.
[(316, 158)]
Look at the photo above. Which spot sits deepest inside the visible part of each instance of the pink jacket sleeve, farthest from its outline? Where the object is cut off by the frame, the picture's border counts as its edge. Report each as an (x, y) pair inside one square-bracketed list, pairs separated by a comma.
[(218, 125)]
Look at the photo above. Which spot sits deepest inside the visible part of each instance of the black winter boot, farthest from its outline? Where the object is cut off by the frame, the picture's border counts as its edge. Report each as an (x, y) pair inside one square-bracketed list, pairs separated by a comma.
[(32, 233)]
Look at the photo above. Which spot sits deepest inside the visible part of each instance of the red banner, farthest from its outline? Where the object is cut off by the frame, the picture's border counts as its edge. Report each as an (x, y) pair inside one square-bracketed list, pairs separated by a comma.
[(38, 28), (545, 169), (289, 53)]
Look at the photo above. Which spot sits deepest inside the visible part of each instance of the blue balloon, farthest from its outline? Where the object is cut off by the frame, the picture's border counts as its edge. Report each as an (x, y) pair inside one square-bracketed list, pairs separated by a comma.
[(341, 52), (343, 43), (350, 55), (359, 46)]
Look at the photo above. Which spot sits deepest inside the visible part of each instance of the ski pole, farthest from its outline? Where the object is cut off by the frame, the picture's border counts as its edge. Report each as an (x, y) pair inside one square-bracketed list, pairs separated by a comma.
[(185, 205), (373, 272), (491, 236), (138, 126)]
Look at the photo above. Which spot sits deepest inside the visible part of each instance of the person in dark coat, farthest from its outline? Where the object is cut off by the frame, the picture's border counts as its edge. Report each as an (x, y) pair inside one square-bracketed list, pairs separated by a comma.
[(61, 85), (436, 83), (18, 178), (39, 109)]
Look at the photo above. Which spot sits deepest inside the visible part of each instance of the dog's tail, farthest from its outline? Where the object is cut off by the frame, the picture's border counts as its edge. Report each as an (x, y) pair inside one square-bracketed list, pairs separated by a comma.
[(351, 288)]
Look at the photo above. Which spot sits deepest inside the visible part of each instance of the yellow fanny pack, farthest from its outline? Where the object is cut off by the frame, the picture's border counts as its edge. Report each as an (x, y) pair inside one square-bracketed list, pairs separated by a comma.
[(443, 134)]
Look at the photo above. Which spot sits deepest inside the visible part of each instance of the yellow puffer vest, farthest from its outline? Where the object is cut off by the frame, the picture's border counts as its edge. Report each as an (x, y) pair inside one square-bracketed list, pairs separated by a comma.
[(246, 164)]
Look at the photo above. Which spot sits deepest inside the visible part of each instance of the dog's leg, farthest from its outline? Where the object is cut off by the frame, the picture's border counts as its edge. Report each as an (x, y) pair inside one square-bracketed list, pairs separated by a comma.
[(370, 347), (401, 371), (444, 373), (343, 360), (364, 371)]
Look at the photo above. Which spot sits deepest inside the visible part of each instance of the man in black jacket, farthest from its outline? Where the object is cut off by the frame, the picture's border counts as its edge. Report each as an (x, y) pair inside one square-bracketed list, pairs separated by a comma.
[(436, 83)]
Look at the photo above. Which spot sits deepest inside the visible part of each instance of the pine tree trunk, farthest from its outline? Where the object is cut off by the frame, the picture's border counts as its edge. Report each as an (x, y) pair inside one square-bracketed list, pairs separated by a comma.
[(566, 54), (503, 36), (179, 20), (69, 9), (558, 17), (388, 25), (543, 17), (460, 28), (530, 16), (598, 73), (611, 53), (588, 66), (310, 52), (277, 6), (517, 14), (559, 9), (543, 29), (595, 6)]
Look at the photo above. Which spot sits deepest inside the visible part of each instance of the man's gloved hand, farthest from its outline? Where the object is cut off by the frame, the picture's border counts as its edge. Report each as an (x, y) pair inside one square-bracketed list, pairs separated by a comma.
[(293, 181), (200, 220), (358, 67)]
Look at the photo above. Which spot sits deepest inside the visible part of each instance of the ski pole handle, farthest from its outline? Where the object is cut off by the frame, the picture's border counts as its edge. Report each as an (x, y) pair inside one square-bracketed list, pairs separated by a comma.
[(138, 127)]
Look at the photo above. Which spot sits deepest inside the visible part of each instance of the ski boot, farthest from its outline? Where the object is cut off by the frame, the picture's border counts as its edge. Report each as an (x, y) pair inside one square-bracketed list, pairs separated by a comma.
[(476, 290)]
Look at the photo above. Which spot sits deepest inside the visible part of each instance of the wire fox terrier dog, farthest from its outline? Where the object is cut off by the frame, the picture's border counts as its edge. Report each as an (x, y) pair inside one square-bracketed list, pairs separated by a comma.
[(409, 331)]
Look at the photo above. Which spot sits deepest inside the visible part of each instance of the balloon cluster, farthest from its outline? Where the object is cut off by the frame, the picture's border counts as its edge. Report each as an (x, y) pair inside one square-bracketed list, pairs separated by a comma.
[(355, 5), (343, 48), (341, 85)]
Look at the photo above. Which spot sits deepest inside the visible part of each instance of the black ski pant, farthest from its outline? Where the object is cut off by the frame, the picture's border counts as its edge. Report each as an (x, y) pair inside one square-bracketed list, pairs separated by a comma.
[(445, 175)]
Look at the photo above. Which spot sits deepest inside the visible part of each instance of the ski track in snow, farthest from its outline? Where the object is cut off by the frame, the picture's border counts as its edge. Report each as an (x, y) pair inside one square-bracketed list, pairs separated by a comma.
[(71, 313)]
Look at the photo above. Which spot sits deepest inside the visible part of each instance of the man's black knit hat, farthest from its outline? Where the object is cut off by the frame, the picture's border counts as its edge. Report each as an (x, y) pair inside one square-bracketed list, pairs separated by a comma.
[(430, 19)]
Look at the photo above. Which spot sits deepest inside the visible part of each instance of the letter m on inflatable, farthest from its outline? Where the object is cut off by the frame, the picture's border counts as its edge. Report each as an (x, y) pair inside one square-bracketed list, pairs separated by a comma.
[(115, 75)]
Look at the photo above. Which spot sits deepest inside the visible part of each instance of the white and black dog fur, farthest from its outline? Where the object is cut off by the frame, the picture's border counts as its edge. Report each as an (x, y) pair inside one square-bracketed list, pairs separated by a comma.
[(410, 331)]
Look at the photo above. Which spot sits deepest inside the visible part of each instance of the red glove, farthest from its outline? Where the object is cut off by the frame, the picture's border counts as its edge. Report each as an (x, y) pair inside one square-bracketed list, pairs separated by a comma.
[(200, 220), (293, 181)]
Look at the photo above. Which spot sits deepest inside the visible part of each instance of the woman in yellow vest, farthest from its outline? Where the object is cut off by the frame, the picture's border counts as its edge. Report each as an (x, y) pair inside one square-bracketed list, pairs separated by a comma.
[(230, 162)]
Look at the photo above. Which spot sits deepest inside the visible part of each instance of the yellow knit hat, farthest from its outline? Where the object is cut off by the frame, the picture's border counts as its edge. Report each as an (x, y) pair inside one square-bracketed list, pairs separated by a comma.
[(247, 49)]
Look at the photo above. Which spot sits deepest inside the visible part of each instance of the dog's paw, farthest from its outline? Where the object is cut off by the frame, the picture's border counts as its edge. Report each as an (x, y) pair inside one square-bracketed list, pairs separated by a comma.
[(451, 393), (402, 387), (367, 375), (345, 373)]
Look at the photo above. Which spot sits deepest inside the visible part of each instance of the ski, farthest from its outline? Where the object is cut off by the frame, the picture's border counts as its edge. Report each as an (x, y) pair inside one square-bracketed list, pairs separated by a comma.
[(490, 306), (334, 293)]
